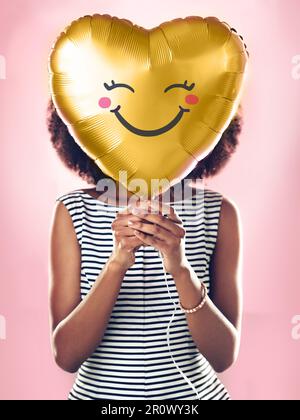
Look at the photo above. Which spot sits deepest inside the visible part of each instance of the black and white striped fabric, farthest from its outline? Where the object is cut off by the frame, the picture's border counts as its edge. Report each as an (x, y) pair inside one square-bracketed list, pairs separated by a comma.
[(133, 360)]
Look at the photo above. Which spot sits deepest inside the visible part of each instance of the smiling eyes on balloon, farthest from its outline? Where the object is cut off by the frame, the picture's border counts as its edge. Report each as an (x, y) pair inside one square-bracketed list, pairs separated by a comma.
[(190, 99)]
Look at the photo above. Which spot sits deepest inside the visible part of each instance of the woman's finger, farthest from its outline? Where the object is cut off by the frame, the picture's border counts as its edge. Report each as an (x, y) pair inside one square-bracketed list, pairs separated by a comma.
[(122, 220), (131, 243), (165, 223), (164, 209), (148, 240), (157, 208), (124, 231), (152, 229)]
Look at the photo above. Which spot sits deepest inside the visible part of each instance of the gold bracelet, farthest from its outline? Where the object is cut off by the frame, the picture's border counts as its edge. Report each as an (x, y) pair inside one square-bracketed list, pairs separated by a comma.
[(201, 304)]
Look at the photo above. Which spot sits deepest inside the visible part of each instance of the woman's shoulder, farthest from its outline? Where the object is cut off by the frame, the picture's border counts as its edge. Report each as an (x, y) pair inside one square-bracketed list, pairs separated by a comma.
[(212, 194), (227, 202), (229, 213), (73, 200), (79, 194), (70, 207), (69, 194), (222, 216), (228, 209)]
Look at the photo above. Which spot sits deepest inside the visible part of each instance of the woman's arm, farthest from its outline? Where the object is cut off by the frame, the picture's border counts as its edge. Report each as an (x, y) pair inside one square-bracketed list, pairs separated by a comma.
[(79, 325), (216, 327)]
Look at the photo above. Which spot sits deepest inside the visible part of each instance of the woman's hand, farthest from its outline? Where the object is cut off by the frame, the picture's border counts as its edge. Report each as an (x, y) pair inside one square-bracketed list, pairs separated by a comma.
[(125, 241), (163, 233)]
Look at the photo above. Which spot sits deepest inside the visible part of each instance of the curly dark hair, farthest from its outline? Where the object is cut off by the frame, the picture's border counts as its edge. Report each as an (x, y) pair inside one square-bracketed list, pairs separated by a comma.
[(77, 160)]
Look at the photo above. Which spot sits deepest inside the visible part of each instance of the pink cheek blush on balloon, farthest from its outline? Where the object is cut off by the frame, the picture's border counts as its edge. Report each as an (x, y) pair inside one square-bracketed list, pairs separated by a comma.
[(191, 99), (104, 102)]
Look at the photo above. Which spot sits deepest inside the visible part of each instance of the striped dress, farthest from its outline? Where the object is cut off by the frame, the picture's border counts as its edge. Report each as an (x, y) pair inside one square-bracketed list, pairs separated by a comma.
[(147, 351)]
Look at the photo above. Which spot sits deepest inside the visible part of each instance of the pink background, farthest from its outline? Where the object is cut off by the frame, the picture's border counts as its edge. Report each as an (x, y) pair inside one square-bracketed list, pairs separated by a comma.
[(262, 179)]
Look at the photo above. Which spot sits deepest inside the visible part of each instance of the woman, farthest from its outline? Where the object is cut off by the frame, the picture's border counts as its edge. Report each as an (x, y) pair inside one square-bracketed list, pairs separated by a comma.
[(113, 316)]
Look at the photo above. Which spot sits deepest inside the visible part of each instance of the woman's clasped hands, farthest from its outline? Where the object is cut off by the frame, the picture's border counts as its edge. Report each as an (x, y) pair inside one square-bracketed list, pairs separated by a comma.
[(150, 223)]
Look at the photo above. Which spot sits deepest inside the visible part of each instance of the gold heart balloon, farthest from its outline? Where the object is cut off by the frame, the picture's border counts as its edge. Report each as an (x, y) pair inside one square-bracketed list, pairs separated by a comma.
[(147, 105)]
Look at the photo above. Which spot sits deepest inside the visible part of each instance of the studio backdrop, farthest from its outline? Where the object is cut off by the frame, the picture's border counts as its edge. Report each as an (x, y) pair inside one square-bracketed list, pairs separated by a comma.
[(261, 179)]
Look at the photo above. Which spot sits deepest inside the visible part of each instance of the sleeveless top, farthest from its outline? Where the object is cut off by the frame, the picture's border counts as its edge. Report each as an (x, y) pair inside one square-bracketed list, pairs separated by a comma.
[(138, 354)]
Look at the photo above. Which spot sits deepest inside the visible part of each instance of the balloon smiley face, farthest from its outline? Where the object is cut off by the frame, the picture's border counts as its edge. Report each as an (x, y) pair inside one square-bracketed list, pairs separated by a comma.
[(105, 102), (149, 102)]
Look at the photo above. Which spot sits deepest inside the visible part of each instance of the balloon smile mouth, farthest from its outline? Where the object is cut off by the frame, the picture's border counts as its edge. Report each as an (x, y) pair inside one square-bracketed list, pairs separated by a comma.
[(149, 133)]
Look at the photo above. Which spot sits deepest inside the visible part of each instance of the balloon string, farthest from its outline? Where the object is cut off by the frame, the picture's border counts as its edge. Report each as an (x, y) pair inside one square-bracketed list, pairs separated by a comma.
[(168, 330)]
